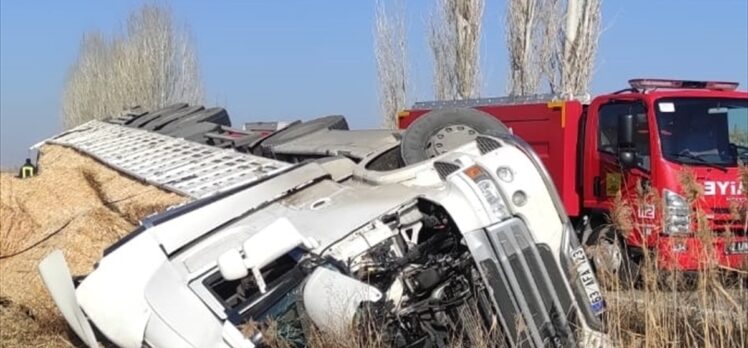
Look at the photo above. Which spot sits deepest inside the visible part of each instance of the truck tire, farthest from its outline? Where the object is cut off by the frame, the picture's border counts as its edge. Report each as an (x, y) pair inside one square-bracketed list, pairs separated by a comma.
[(145, 119), (215, 115), (443, 130), (300, 129), (171, 117)]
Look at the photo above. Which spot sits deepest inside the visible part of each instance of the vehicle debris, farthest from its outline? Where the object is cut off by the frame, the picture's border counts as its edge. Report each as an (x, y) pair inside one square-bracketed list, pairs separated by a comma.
[(335, 242)]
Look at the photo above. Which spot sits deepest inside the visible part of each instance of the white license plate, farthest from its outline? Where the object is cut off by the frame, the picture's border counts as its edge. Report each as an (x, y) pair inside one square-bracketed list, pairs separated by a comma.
[(737, 248), (589, 282)]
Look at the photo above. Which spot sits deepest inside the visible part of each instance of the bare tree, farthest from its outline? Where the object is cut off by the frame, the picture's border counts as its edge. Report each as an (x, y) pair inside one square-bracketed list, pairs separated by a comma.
[(87, 85), (553, 41), (390, 52), (152, 65), (441, 43), (548, 46), (581, 34), (454, 37), (521, 25)]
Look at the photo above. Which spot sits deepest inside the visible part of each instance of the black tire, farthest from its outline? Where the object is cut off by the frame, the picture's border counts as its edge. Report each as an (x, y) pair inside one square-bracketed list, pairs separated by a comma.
[(172, 117), (145, 119), (300, 129), (140, 121), (417, 139), (133, 115), (629, 269), (214, 115), (194, 132)]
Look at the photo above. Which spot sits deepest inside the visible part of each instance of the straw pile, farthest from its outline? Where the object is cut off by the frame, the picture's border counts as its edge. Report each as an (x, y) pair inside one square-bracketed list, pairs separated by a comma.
[(82, 207)]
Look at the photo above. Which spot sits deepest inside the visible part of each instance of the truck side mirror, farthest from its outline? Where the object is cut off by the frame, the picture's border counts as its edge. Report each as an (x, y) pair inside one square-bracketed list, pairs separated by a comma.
[(626, 130), (626, 146)]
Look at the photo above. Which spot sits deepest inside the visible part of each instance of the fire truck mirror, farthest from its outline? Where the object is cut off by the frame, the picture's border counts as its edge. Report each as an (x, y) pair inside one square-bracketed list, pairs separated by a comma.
[(626, 148), (626, 158), (626, 130)]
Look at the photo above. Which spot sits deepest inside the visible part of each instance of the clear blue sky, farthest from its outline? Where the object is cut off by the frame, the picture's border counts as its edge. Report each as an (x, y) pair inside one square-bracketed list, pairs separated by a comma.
[(285, 60)]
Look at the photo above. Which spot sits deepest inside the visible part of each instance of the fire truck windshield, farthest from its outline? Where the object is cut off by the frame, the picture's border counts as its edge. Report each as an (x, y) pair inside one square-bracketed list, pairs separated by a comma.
[(703, 131)]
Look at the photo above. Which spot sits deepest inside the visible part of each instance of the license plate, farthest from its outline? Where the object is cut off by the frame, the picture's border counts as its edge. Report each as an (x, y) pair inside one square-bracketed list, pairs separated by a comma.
[(589, 282), (737, 248)]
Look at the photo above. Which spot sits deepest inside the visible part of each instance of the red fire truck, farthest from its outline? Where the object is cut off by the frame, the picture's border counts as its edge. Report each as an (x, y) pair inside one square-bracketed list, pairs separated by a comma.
[(636, 140)]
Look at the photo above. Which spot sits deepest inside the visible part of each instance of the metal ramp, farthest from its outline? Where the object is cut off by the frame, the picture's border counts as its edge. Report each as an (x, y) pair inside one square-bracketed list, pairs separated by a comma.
[(174, 164)]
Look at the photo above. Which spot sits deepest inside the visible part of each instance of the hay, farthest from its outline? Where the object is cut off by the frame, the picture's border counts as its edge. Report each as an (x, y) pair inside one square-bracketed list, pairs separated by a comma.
[(20, 328), (87, 206)]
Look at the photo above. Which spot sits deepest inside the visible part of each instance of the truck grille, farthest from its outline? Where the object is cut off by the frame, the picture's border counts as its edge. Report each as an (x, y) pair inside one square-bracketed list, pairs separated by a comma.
[(532, 310), (486, 145), (444, 168)]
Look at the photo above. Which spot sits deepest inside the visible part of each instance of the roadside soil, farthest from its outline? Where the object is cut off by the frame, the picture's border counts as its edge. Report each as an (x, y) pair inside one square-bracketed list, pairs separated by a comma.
[(75, 204)]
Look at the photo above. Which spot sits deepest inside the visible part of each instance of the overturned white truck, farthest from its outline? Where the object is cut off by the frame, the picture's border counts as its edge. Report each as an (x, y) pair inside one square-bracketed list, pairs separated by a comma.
[(333, 245)]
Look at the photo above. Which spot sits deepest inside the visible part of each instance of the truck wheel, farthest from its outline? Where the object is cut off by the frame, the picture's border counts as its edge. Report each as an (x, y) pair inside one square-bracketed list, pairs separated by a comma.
[(443, 130), (611, 258)]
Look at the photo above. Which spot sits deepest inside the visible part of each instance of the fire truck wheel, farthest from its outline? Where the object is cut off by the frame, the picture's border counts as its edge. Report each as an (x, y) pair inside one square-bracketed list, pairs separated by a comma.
[(611, 258), (443, 130)]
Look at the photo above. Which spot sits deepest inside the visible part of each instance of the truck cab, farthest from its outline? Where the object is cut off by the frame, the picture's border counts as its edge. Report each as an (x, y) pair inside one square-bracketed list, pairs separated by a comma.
[(667, 155), (655, 146)]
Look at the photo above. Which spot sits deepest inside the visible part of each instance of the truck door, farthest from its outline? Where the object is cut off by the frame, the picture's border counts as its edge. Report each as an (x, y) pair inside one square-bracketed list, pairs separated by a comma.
[(608, 178)]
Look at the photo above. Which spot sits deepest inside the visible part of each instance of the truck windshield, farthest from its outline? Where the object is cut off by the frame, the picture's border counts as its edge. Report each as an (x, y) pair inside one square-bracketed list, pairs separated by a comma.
[(704, 131)]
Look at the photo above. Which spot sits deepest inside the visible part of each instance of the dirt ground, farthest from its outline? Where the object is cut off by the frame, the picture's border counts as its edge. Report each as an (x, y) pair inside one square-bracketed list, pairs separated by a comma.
[(76, 205)]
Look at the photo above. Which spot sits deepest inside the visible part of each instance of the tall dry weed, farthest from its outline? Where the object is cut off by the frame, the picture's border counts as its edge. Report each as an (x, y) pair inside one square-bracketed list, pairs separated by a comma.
[(672, 308)]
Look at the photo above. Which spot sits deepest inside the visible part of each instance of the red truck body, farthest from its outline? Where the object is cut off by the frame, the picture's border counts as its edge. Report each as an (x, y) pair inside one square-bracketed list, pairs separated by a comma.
[(569, 135)]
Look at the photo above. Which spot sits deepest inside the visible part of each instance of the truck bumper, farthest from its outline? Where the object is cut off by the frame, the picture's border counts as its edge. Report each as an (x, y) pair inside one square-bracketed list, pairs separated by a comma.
[(694, 253)]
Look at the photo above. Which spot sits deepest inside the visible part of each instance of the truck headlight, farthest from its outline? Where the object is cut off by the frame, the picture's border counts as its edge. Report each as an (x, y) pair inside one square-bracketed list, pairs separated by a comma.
[(677, 213), (492, 196), (489, 190)]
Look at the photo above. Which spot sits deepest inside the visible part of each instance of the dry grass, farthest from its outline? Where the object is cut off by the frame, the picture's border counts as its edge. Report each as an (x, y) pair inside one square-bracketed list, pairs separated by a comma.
[(21, 328), (84, 206), (671, 309)]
